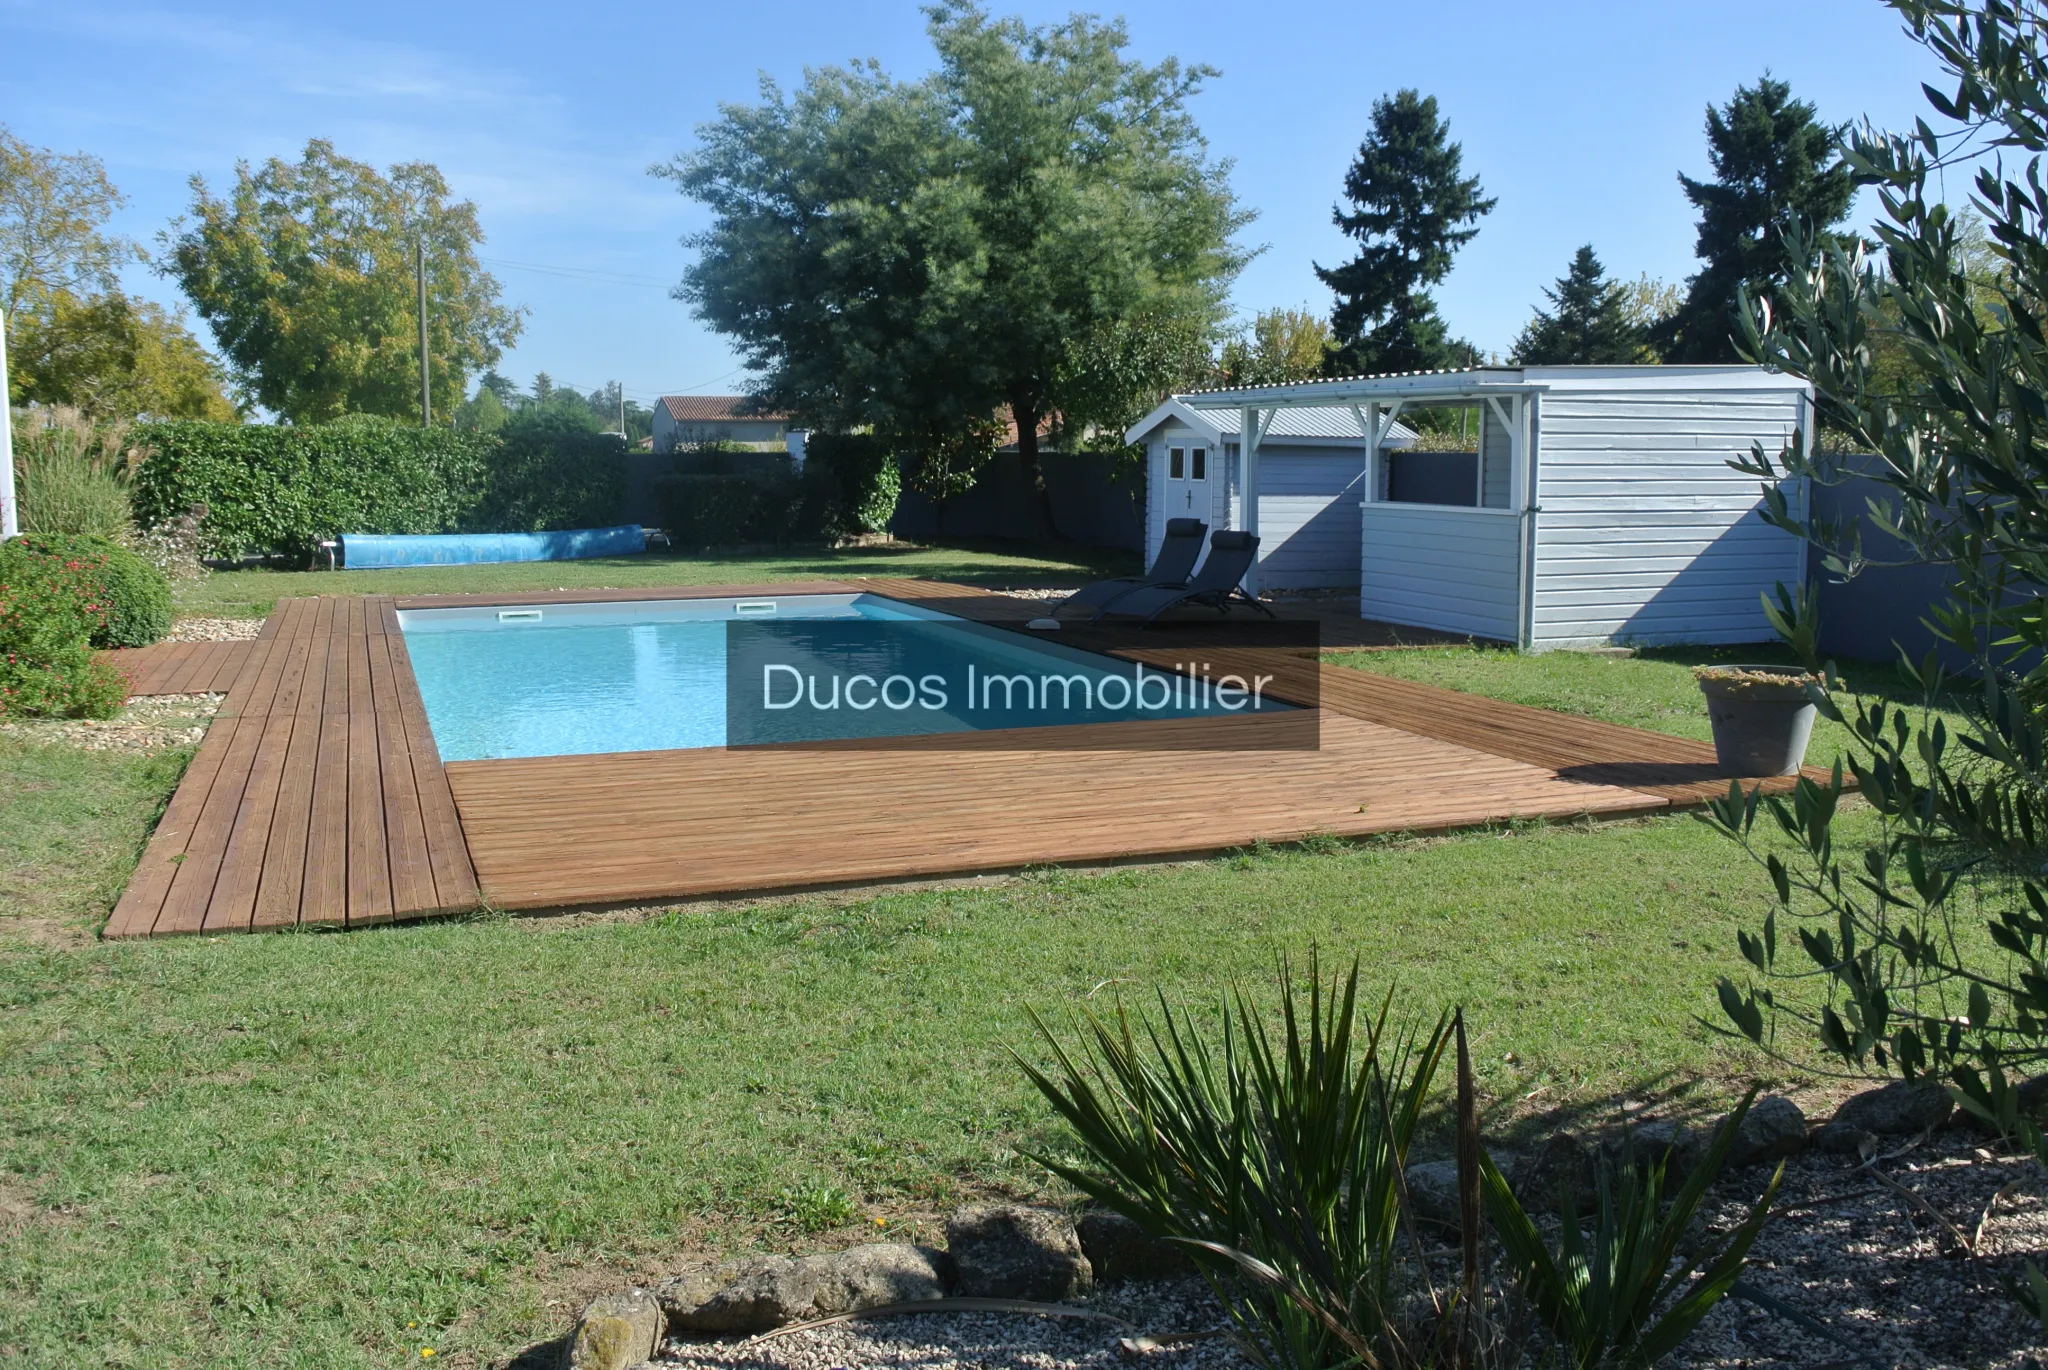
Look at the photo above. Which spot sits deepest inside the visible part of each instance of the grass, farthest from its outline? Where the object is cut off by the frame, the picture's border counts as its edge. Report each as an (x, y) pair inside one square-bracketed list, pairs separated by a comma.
[(1653, 689), (253, 593), (342, 1149)]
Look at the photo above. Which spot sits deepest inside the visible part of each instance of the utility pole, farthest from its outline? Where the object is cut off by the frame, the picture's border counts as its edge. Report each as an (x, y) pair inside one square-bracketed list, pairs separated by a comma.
[(622, 405), (419, 252), (10, 511)]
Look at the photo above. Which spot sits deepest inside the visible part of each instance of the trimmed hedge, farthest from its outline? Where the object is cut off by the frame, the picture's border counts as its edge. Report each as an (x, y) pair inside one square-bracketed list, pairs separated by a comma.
[(280, 490), (720, 497), (135, 595), (49, 613)]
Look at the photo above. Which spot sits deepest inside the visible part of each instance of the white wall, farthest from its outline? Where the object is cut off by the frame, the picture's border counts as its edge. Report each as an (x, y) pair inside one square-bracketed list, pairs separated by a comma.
[(1645, 535), (1431, 566)]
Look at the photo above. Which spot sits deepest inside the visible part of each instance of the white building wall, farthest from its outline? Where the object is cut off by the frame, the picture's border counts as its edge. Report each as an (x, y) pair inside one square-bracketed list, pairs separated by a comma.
[(1645, 535), (1433, 566)]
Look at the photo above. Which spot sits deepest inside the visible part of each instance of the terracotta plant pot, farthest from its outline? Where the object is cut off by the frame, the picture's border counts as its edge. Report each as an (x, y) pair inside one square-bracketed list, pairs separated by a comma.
[(1761, 715)]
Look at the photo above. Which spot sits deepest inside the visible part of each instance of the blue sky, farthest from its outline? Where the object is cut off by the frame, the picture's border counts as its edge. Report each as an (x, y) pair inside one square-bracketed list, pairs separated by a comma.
[(1576, 115)]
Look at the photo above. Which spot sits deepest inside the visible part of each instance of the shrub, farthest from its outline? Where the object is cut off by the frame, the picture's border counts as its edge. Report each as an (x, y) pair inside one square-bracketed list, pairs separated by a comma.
[(721, 510), (859, 481), (49, 614), (68, 473), (282, 491), (135, 595), (1280, 1157)]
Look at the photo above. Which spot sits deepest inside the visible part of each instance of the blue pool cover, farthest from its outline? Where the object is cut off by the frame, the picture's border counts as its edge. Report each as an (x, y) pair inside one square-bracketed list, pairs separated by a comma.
[(362, 551)]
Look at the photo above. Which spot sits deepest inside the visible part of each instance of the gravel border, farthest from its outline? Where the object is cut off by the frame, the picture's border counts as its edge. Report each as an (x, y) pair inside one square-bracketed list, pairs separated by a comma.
[(215, 630), (147, 723)]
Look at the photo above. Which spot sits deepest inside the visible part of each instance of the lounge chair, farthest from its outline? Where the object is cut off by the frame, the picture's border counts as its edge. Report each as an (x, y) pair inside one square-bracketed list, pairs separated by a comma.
[(1214, 586), (1178, 552)]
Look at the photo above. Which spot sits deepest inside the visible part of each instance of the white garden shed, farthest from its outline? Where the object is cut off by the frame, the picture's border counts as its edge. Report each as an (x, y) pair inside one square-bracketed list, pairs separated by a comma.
[(1595, 503)]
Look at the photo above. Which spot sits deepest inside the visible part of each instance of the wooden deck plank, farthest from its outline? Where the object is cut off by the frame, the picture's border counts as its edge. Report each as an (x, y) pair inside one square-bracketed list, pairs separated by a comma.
[(559, 831), (284, 860), (369, 864), (447, 851), (412, 873), (324, 899), (233, 903), (141, 904)]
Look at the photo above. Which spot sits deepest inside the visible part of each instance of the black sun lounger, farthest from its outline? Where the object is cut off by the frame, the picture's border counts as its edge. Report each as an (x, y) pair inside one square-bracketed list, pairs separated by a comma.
[(1178, 552), (1215, 586)]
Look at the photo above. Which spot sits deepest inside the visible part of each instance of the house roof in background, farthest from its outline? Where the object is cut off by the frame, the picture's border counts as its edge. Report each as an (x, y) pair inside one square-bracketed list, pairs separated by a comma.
[(715, 409)]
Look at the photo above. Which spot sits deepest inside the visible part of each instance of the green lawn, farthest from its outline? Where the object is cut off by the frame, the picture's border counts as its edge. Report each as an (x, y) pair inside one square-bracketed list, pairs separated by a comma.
[(250, 594), (339, 1149)]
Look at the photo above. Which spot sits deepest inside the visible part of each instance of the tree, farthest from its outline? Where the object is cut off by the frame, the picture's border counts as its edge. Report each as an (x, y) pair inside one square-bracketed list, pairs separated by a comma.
[(1281, 345), (113, 356), (1412, 209), (1775, 171), (920, 257), (305, 273), (53, 212), (1590, 321), (1921, 943)]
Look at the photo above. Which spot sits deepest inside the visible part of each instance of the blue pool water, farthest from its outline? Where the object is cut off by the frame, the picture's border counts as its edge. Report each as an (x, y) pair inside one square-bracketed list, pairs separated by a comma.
[(649, 676)]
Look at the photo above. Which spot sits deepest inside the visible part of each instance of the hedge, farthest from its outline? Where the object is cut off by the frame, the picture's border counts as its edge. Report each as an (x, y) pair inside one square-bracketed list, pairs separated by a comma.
[(282, 490), (135, 596), (722, 496), (49, 613)]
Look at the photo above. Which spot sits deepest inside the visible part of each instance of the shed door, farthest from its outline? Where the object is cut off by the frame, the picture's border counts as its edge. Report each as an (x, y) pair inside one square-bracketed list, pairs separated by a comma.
[(1187, 483)]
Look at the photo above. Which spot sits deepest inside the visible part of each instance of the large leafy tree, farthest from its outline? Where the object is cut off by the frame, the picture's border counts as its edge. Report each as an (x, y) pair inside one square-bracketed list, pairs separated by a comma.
[(1280, 345), (1590, 320), (74, 336), (1775, 171), (921, 257), (305, 273), (1411, 209)]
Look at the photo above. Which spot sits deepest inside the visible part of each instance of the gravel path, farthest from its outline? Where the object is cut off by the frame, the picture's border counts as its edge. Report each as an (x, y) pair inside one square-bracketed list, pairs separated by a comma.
[(215, 630), (1884, 1273), (995, 1341), (147, 723)]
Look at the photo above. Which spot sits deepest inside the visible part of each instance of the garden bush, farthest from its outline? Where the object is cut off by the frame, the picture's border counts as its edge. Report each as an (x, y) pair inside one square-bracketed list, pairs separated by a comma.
[(722, 510), (49, 614), (860, 480), (281, 490), (721, 495), (135, 596)]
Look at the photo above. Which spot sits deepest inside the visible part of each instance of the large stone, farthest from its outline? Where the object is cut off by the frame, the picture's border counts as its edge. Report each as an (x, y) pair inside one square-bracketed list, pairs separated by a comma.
[(1898, 1109), (883, 1273), (1008, 1251), (755, 1296), (616, 1331), (1774, 1130), (1564, 1161), (1120, 1251), (1433, 1192)]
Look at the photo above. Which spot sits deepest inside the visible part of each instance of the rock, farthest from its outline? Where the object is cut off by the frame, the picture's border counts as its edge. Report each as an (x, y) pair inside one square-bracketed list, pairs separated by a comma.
[(616, 1331), (1008, 1251), (1846, 1141), (1119, 1250), (1774, 1130), (1563, 1158), (759, 1295), (1898, 1109), (1679, 1144), (774, 1291), (883, 1273), (1433, 1190)]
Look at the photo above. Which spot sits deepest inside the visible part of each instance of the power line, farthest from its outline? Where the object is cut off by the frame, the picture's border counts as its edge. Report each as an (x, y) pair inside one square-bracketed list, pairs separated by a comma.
[(578, 273)]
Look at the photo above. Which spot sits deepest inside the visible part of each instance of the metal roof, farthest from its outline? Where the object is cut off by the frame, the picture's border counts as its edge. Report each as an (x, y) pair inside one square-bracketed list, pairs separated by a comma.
[(1325, 423), (1471, 382)]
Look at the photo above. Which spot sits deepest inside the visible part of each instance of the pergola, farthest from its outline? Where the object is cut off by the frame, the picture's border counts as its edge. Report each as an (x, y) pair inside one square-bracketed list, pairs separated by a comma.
[(1376, 402)]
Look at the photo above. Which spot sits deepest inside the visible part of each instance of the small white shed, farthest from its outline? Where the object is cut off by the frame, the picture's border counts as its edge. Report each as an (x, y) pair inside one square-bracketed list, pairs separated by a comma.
[(1596, 504)]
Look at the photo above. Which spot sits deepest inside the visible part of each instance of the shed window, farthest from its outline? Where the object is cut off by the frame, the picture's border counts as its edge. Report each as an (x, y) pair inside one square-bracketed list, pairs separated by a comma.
[(1176, 463), (1199, 468)]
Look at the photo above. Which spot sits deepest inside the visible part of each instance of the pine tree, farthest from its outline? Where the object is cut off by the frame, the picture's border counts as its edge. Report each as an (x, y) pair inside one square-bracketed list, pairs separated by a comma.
[(1589, 321), (1774, 166), (1412, 209)]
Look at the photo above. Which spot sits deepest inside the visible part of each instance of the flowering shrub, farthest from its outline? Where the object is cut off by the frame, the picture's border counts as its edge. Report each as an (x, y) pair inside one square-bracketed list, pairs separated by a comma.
[(135, 597), (49, 611)]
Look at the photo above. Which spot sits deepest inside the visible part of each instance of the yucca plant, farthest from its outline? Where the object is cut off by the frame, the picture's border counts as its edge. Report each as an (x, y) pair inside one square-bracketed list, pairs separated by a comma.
[(1279, 1155), (1621, 1296), (1280, 1152)]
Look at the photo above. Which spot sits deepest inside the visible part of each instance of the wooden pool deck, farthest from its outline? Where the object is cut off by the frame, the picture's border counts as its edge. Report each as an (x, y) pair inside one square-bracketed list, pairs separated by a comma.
[(318, 797)]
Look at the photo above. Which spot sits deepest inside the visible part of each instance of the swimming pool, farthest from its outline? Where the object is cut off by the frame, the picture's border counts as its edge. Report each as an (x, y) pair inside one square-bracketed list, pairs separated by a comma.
[(657, 675)]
